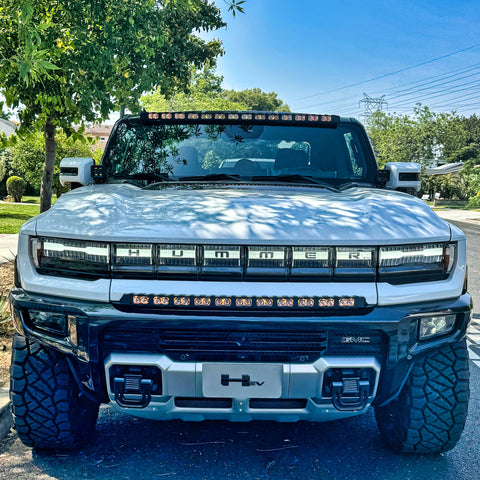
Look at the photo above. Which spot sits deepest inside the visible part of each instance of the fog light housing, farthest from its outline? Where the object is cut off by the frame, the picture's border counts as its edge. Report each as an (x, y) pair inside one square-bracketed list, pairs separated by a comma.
[(48, 321), (435, 325)]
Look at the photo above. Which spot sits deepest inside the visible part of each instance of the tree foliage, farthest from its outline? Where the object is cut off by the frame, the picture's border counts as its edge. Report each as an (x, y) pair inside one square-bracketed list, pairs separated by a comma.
[(256, 99), (425, 137), (205, 92), (69, 62), (28, 154)]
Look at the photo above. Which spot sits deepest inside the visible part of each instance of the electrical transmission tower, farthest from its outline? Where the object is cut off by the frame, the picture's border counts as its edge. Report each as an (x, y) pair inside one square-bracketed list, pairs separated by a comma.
[(371, 105)]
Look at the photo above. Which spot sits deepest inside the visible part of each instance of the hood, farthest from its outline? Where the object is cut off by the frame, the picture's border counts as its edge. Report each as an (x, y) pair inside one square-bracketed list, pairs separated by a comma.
[(242, 214)]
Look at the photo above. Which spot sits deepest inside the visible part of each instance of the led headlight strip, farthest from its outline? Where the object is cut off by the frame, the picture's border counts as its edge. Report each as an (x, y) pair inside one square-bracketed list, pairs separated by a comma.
[(396, 263)]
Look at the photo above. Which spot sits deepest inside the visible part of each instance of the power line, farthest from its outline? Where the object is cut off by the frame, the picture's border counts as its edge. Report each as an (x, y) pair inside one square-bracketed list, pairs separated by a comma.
[(440, 93), (429, 85), (392, 73), (440, 77)]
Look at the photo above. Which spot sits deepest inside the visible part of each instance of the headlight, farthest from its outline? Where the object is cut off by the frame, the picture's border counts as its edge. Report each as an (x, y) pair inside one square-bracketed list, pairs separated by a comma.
[(415, 263), (83, 258), (435, 325), (396, 264), (48, 321)]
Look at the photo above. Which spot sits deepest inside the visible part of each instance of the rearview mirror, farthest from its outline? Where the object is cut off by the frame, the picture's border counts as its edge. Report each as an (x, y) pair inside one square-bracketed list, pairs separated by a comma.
[(404, 176), (76, 171)]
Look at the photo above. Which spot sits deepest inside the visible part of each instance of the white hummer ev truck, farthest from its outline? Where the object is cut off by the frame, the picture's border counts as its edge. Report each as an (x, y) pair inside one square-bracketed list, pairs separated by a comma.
[(240, 266)]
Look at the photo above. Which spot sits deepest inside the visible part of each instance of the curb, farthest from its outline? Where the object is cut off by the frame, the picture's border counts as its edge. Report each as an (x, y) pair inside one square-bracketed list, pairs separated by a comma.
[(6, 419)]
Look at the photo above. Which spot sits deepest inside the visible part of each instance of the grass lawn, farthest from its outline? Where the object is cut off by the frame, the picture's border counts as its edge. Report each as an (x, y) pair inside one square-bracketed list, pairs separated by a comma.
[(36, 200), (12, 217)]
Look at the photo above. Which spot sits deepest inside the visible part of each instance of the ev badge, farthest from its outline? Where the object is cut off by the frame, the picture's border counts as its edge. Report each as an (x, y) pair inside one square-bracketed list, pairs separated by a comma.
[(245, 381)]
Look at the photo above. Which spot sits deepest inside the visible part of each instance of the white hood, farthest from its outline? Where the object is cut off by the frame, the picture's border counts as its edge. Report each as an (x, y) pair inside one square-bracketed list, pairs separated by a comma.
[(243, 214)]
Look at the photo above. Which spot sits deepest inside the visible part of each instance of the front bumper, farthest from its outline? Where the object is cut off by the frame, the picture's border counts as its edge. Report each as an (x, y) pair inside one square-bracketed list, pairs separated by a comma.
[(90, 340)]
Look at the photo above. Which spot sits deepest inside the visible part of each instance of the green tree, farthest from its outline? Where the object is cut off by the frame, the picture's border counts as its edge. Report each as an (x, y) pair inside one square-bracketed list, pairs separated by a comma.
[(424, 137), (28, 154), (66, 63), (472, 128), (205, 92), (256, 99)]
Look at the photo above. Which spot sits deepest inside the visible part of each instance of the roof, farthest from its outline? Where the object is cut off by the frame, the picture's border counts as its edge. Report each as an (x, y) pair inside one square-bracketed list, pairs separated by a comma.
[(7, 127), (445, 169), (99, 130)]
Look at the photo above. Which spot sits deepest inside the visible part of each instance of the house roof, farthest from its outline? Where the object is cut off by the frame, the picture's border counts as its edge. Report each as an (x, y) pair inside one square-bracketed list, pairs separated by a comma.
[(7, 127), (99, 130), (445, 169)]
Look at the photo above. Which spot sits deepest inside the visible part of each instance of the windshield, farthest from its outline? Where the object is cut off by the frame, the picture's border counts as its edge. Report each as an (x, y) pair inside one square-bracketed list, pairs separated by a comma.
[(335, 155)]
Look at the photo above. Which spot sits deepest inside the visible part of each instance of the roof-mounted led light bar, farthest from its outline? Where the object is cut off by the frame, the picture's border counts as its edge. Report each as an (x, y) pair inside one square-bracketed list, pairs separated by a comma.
[(228, 117)]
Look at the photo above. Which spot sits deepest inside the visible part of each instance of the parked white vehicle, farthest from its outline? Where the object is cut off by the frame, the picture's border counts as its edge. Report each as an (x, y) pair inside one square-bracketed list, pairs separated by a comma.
[(240, 266)]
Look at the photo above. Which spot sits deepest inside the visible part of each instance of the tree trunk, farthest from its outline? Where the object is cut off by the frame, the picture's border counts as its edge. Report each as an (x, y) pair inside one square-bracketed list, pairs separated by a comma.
[(47, 179)]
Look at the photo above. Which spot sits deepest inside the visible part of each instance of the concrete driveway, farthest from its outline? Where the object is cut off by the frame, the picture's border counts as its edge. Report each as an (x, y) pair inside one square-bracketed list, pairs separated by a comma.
[(8, 247)]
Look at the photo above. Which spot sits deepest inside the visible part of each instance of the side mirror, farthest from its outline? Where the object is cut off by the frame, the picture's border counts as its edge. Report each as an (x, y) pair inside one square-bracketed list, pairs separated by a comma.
[(76, 170), (404, 176)]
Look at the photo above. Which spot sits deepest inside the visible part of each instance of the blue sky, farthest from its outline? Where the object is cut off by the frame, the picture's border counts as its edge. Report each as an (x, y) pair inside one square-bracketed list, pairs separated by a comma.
[(304, 48)]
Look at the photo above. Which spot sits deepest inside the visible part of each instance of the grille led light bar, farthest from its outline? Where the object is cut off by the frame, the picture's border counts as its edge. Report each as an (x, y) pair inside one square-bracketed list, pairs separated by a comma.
[(245, 302)]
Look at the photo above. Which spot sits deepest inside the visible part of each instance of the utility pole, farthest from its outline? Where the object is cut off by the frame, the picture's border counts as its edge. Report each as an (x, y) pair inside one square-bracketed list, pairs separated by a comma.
[(371, 105)]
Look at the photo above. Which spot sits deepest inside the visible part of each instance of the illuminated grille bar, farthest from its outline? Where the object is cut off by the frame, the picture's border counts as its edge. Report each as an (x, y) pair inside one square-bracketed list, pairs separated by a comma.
[(182, 302), (394, 264)]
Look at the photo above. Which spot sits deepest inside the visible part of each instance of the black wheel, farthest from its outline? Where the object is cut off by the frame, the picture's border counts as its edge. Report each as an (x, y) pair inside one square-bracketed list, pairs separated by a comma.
[(49, 412), (429, 414)]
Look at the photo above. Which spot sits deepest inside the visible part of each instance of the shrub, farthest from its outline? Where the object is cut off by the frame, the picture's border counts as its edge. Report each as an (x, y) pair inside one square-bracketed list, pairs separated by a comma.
[(16, 188), (3, 169), (474, 201)]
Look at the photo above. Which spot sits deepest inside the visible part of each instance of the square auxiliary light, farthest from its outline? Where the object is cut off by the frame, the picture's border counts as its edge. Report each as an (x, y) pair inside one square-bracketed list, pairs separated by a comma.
[(141, 300), (223, 302), (202, 301), (264, 302), (181, 301), (306, 302), (243, 302), (285, 302), (161, 300)]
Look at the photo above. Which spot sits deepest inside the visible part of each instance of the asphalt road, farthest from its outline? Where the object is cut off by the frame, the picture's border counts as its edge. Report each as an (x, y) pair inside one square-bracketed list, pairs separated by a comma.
[(130, 448)]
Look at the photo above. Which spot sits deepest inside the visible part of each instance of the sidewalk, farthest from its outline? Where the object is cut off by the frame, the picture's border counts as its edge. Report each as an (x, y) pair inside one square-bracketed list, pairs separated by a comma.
[(468, 216), (8, 247)]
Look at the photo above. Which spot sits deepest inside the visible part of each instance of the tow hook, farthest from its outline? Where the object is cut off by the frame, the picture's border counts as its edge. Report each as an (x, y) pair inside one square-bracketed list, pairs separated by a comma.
[(136, 386), (350, 394), (133, 386), (349, 388)]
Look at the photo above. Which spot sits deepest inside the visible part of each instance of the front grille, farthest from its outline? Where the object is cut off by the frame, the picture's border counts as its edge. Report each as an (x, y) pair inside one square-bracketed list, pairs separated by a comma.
[(196, 402), (241, 346), (277, 403)]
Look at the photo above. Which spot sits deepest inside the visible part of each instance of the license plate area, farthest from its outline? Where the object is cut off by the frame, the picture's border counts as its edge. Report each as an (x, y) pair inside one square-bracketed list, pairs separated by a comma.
[(247, 380)]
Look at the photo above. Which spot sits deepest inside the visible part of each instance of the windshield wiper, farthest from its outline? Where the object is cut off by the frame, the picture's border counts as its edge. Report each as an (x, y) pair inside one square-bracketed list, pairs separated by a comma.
[(212, 177), (295, 178), (160, 177)]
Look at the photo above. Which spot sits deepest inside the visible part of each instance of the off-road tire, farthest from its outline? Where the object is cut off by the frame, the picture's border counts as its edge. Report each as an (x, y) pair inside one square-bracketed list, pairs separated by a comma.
[(429, 414), (49, 412)]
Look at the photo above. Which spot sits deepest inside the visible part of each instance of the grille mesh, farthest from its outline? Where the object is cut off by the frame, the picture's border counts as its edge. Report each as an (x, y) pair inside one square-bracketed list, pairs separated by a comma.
[(222, 345)]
